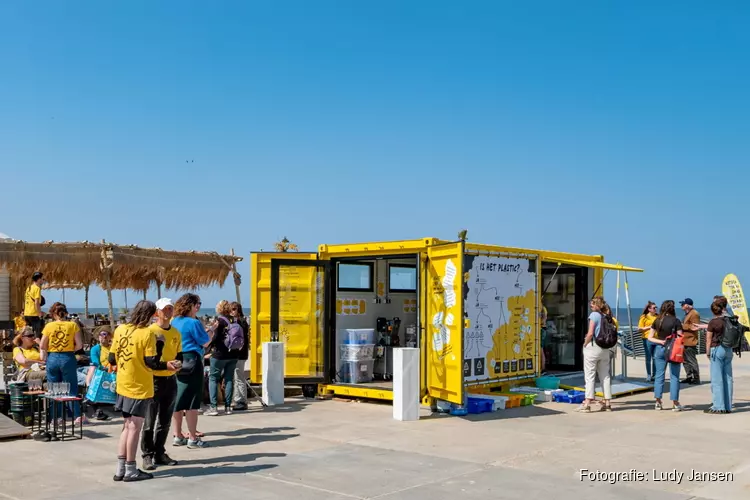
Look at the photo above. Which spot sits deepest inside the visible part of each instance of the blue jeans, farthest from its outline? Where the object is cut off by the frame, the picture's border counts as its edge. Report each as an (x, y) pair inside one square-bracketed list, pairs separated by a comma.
[(661, 363), (62, 367), (648, 348), (221, 368), (722, 383)]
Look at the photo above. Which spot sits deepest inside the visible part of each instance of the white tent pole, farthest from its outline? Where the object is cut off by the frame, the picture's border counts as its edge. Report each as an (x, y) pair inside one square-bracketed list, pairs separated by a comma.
[(617, 300), (630, 322)]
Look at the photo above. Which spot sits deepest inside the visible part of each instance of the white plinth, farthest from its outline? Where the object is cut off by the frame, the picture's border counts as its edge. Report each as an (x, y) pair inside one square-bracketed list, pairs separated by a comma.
[(406, 383), (273, 373)]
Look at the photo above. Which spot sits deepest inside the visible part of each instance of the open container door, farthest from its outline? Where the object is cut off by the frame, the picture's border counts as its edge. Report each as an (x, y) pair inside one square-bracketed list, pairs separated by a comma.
[(289, 305), (445, 322)]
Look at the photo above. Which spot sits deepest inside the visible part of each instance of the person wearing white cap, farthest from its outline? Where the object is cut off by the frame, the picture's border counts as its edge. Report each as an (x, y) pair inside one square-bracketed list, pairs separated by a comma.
[(159, 416)]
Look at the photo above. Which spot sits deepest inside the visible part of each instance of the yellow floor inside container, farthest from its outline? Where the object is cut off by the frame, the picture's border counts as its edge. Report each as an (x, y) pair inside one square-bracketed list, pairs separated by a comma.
[(378, 389)]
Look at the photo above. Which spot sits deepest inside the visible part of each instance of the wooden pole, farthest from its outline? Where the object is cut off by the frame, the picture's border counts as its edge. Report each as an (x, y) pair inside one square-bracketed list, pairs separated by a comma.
[(107, 269), (144, 294), (126, 300), (86, 302), (235, 276), (158, 290)]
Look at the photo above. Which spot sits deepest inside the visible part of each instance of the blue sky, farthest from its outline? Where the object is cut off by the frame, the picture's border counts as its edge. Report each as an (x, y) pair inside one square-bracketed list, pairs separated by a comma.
[(618, 128)]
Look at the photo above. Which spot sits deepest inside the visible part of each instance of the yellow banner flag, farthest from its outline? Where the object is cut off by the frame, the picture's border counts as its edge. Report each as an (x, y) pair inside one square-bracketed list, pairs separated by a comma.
[(732, 290)]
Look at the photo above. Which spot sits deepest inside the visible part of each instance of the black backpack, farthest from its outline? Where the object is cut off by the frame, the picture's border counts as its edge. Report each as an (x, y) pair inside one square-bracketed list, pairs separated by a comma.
[(733, 333), (607, 338)]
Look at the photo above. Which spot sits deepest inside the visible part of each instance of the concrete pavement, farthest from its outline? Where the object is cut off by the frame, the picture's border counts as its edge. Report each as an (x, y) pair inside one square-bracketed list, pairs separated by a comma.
[(338, 450)]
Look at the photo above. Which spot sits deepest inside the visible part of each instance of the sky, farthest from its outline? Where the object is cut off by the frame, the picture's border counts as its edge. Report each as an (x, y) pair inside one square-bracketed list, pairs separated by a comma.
[(613, 128)]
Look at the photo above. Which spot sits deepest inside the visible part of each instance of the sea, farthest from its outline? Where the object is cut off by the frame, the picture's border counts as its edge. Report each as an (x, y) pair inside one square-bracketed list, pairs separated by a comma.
[(622, 315), (119, 310)]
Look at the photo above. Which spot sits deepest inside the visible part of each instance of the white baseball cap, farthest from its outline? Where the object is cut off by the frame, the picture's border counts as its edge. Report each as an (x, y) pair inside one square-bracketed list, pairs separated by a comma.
[(163, 302)]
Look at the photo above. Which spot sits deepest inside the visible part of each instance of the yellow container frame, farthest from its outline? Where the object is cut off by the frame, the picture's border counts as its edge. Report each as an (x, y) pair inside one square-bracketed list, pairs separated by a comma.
[(438, 378)]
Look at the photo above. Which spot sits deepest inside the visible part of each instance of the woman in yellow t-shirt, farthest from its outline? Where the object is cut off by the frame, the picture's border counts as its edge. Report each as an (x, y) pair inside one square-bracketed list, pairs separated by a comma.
[(61, 338), (644, 327), (136, 351), (26, 354)]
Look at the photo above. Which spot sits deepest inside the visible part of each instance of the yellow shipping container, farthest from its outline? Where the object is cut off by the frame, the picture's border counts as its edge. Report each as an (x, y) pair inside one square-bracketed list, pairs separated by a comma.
[(472, 309)]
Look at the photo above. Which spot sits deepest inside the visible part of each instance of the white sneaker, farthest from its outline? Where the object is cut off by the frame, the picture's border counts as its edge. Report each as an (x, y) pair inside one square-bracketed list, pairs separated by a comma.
[(678, 408), (657, 406), (228, 410), (211, 412)]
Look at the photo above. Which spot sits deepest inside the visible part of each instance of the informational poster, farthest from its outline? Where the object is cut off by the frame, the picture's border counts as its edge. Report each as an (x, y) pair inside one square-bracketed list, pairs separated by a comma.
[(732, 290), (501, 338)]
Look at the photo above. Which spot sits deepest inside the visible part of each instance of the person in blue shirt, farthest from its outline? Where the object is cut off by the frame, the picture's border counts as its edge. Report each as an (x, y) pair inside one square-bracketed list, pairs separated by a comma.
[(100, 361), (596, 360), (190, 378)]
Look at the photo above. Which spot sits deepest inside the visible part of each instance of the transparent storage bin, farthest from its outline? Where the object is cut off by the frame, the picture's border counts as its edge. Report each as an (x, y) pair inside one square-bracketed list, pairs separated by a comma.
[(358, 336), (357, 352), (356, 372)]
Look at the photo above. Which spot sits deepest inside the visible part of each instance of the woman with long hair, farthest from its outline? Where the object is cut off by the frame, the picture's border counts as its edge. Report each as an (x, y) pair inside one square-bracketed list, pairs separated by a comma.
[(136, 352), (644, 327), (721, 362), (596, 360), (26, 355), (223, 362), (190, 379), (240, 375), (664, 326), (61, 339)]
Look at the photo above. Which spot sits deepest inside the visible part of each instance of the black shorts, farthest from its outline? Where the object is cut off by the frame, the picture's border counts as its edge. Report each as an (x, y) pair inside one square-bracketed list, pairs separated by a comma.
[(132, 407)]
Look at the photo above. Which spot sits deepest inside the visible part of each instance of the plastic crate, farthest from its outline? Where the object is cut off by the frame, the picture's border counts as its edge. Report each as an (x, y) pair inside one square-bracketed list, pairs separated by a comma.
[(542, 395), (358, 336), (357, 352), (479, 405), (514, 400), (356, 372), (500, 402), (551, 383), (571, 397)]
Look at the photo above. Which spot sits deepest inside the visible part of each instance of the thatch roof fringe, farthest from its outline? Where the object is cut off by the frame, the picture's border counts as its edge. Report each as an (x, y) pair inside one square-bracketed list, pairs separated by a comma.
[(128, 266)]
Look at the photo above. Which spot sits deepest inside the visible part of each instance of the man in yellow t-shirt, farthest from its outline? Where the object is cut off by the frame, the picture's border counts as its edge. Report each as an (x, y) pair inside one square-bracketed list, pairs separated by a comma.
[(32, 303), (136, 352), (159, 417)]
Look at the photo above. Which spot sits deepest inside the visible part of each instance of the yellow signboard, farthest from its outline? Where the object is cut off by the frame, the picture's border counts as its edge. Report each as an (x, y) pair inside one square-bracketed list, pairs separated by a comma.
[(732, 290)]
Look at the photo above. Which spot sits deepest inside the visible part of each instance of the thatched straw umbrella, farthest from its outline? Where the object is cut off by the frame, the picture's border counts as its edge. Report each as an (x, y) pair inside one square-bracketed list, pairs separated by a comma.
[(116, 266)]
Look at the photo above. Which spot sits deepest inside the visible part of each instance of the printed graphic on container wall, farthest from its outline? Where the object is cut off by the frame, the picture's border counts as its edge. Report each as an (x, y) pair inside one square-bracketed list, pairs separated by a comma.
[(444, 309), (500, 305)]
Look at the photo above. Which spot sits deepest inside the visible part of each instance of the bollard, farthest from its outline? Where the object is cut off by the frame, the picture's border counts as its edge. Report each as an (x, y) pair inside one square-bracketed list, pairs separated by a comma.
[(273, 373), (406, 384)]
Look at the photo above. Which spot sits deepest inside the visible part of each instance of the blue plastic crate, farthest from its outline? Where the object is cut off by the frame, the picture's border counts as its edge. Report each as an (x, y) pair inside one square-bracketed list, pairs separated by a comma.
[(479, 405), (572, 397)]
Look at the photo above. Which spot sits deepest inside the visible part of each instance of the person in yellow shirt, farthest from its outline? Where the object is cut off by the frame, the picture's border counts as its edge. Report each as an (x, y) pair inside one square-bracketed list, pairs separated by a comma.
[(32, 303), (136, 352), (158, 419), (61, 338), (26, 354), (645, 322)]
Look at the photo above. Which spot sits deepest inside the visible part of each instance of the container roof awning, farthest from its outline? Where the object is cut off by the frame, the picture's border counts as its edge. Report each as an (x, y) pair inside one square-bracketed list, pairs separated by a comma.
[(599, 265)]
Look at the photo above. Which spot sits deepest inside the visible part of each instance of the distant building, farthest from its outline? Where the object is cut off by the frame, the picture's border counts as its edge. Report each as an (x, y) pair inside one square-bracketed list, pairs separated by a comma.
[(4, 287)]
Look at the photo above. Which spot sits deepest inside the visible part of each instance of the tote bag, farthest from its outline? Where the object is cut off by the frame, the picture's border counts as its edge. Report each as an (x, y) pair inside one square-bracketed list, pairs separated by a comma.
[(674, 350), (103, 388)]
